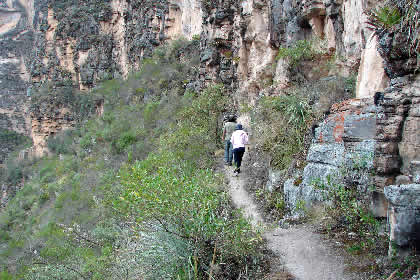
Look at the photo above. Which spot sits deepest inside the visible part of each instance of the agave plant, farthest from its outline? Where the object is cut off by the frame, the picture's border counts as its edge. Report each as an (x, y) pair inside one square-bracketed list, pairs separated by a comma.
[(296, 109), (384, 17), (398, 15)]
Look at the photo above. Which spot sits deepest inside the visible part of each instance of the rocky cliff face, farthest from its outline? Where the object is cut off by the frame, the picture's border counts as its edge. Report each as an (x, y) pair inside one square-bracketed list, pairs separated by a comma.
[(93, 40), (16, 36), (15, 47), (70, 43)]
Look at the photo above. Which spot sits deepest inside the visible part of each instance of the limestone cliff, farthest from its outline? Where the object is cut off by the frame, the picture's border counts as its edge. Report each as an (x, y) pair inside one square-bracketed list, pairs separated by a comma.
[(93, 40), (15, 41)]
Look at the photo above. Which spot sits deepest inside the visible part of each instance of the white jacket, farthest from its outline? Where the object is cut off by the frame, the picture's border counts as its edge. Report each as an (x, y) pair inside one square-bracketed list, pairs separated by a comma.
[(239, 139)]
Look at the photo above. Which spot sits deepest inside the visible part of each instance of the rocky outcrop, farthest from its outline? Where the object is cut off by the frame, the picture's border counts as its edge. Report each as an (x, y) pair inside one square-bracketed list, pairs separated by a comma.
[(397, 159), (399, 59), (398, 119), (15, 47), (409, 146), (380, 132), (61, 43), (371, 77), (54, 110), (345, 140), (404, 216), (112, 40), (240, 42), (44, 125)]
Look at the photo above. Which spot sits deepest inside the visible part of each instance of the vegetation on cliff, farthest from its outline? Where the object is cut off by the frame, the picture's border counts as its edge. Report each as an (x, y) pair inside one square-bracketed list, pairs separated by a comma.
[(401, 16), (397, 25), (132, 193)]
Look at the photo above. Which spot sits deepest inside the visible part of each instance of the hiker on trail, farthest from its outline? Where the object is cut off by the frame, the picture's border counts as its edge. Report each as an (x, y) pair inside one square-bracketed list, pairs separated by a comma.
[(239, 139), (228, 129)]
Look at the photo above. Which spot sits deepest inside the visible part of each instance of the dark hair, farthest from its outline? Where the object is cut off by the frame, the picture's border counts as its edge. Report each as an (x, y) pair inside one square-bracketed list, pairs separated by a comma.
[(232, 118), (238, 126)]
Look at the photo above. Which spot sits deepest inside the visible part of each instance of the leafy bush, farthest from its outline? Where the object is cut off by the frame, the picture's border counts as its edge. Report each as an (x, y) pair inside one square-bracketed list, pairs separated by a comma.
[(62, 142), (347, 203), (350, 84), (14, 173), (4, 275), (11, 142), (273, 202), (200, 126), (173, 196), (301, 50), (9, 136), (126, 139), (16, 170)]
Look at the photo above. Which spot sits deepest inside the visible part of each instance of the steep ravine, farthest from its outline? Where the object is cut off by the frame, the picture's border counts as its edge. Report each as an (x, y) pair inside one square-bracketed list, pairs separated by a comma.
[(298, 250)]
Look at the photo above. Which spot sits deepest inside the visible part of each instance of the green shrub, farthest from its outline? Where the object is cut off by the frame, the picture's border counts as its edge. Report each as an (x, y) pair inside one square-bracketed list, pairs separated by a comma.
[(4, 235), (301, 50), (199, 126), (86, 142), (273, 202), (44, 197), (347, 203), (186, 202), (4, 275), (14, 173), (350, 84), (151, 112), (47, 172), (281, 123), (9, 136), (126, 139), (296, 109), (62, 142)]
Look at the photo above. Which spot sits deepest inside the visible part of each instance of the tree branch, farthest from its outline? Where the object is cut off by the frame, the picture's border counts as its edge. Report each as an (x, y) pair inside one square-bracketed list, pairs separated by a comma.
[(165, 227)]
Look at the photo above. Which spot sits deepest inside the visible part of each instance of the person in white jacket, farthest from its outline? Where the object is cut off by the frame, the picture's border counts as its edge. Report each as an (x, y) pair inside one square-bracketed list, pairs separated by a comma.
[(239, 139)]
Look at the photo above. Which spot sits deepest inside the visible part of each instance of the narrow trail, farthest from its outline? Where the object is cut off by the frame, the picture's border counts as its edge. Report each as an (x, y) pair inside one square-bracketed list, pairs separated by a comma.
[(300, 252)]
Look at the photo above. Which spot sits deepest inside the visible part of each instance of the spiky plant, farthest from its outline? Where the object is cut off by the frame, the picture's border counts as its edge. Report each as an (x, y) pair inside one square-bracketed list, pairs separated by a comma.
[(399, 16), (384, 17)]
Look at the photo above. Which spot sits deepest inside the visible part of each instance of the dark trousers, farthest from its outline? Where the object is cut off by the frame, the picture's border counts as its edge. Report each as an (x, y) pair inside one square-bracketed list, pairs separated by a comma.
[(238, 153), (228, 152)]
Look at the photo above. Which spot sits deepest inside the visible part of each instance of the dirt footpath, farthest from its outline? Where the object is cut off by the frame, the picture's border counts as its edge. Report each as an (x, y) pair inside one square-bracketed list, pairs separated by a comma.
[(301, 253)]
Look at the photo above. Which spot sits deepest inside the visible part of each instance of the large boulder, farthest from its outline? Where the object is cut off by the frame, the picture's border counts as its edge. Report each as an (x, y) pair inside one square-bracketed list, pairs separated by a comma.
[(404, 215)]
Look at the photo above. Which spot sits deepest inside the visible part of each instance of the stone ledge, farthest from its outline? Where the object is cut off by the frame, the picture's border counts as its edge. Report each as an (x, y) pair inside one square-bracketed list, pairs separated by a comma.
[(403, 195)]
